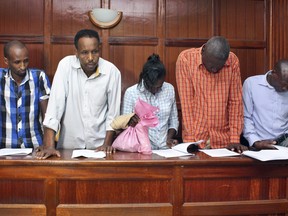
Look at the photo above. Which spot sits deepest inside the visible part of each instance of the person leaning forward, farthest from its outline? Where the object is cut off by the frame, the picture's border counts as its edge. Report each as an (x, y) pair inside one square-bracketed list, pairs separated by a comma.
[(85, 98), (153, 89), (209, 85), (265, 100), (24, 97)]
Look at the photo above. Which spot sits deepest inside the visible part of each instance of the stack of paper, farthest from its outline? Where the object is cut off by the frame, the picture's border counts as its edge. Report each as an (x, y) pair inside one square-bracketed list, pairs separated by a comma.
[(281, 153), (177, 151), (15, 151), (222, 152), (88, 153)]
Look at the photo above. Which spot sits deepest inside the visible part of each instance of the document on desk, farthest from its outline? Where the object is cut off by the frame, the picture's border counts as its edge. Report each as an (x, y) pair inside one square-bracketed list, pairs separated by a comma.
[(177, 151), (281, 153), (88, 153), (171, 153), (15, 151), (222, 152)]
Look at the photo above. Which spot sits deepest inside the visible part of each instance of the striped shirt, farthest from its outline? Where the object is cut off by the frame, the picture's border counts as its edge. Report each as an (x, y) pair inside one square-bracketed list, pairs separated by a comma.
[(168, 115), (20, 117), (211, 103)]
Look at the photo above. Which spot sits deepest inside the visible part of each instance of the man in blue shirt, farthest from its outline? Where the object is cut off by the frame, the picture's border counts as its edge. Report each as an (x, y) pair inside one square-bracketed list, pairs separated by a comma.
[(265, 100), (24, 96)]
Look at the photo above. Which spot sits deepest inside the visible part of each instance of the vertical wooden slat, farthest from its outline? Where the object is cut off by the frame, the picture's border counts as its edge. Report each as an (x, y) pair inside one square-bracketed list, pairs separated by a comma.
[(51, 189), (178, 191), (47, 38), (161, 27), (279, 27), (216, 17), (105, 52)]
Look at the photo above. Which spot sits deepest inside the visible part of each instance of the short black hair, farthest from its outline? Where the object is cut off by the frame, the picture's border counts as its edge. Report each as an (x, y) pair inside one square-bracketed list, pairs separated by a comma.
[(86, 33), (153, 70), (10, 44)]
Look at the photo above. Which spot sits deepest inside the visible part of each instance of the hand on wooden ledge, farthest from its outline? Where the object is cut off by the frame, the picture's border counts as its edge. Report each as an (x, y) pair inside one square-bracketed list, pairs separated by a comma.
[(264, 144), (236, 147), (43, 152), (106, 148)]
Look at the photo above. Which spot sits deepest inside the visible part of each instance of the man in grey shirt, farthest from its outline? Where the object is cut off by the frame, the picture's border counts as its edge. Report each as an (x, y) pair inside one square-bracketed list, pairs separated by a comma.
[(85, 98)]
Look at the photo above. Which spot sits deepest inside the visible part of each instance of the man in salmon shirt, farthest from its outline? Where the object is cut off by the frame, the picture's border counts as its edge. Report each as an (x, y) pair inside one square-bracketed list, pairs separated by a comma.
[(210, 89)]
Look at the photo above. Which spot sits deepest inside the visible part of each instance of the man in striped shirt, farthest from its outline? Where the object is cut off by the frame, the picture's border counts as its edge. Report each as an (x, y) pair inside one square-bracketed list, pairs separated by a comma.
[(209, 85), (24, 95)]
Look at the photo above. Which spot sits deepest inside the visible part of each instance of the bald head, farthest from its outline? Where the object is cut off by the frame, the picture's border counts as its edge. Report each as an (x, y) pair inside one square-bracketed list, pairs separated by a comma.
[(278, 77), (218, 47), (281, 68), (16, 57), (12, 44), (215, 53)]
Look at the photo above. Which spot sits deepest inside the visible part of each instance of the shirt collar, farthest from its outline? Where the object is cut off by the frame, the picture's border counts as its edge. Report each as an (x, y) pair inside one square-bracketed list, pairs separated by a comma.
[(142, 88), (26, 78), (76, 64), (145, 91), (199, 60), (263, 81)]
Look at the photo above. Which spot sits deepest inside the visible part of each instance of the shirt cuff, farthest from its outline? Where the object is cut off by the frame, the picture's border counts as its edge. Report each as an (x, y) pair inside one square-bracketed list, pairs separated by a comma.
[(44, 97), (51, 123), (171, 127), (252, 139), (109, 128)]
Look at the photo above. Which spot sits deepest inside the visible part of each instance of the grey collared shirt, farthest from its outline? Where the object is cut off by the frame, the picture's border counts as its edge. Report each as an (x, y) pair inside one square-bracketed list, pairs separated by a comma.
[(83, 107)]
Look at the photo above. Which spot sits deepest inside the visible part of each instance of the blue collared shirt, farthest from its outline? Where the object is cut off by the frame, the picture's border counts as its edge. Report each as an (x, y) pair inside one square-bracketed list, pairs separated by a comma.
[(20, 115), (265, 110), (165, 101)]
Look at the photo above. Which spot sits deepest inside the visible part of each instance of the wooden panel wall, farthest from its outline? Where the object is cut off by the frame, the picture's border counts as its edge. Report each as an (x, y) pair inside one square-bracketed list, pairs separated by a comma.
[(256, 30), (23, 20), (279, 31), (165, 27)]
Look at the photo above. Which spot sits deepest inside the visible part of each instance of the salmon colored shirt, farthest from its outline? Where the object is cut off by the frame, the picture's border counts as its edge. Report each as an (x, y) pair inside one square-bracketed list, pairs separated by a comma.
[(211, 103)]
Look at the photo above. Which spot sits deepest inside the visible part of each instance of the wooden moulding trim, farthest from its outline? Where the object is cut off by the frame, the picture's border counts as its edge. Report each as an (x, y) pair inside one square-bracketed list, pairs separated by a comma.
[(141, 41), (184, 42), (62, 39), (139, 209), (190, 42), (241, 207), (23, 209), (38, 39)]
